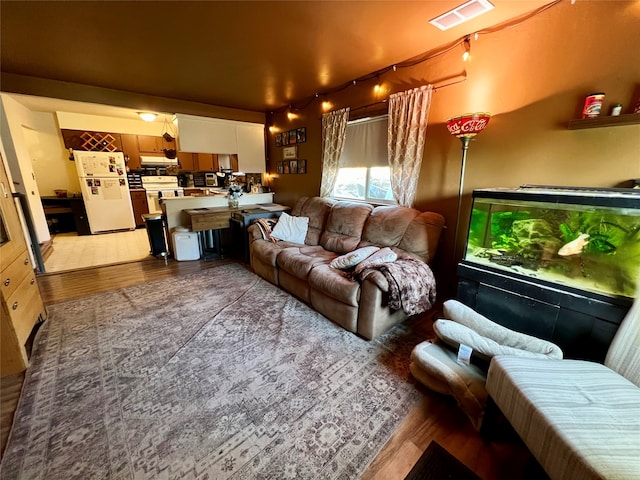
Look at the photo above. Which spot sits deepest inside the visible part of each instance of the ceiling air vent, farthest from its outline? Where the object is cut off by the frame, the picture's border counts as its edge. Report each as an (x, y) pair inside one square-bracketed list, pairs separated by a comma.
[(461, 14)]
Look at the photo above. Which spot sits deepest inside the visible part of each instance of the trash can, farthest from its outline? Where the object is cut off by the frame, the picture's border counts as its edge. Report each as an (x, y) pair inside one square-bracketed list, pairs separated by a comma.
[(155, 230), (185, 244)]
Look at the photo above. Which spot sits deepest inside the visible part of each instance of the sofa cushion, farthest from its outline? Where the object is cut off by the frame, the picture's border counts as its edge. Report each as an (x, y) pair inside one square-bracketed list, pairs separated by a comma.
[(352, 259), (387, 224), (334, 284), (317, 210), (268, 252), (384, 255), (422, 236), (291, 229), (344, 226), (299, 261)]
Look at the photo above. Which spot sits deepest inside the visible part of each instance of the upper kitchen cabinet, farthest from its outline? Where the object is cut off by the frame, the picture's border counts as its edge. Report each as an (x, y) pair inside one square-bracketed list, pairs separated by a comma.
[(149, 144), (251, 157), (206, 135), (217, 136), (186, 161), (131, 151)]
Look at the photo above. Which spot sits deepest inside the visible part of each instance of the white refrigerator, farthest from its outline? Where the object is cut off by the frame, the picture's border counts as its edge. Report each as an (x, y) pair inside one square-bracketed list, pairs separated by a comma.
[(105, 191)]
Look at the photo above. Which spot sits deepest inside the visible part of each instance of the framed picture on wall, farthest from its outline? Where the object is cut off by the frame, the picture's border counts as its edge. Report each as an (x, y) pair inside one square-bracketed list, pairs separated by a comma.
[(285, 167), (293, 166), (301, 135), (290, 153), (302, 166), (278, 139), (292, 136), (280, 167)]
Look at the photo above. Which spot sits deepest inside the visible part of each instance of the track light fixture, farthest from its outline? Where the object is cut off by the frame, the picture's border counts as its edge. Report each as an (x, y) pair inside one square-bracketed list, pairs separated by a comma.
[(467, 49)]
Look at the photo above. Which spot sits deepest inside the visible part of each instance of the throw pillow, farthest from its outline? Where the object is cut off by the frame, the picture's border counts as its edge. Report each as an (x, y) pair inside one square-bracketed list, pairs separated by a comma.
[(291, 229), (353, 258), (384, 255)]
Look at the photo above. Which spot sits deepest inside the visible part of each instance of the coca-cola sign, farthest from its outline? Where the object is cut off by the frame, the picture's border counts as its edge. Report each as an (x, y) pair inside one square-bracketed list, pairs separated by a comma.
[(468, 125)]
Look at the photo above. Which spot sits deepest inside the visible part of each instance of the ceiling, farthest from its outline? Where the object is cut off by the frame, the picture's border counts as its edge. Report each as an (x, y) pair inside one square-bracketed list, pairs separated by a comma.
[(249, 55)]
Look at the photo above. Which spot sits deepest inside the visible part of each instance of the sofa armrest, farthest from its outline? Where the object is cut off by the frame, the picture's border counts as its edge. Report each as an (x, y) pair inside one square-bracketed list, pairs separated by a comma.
[(375, 277), (254, 232)]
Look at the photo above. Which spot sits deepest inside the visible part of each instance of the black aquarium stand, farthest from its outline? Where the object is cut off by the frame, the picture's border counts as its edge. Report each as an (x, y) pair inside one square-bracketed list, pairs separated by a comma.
[(581, 323)]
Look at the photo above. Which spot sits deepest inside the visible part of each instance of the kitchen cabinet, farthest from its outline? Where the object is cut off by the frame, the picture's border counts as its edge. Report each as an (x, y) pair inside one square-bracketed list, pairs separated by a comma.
[(186, 161), (21, 303), (206, 162), (140, 205), (251, 156), (131, 151), (209, 135), (149, 144)]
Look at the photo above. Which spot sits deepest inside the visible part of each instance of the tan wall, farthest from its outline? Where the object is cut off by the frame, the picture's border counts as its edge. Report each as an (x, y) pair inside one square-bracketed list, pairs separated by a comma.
[(533, 78)]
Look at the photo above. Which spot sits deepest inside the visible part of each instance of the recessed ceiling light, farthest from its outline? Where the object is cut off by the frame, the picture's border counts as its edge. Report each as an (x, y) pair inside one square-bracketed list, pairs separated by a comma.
[(461, 14)]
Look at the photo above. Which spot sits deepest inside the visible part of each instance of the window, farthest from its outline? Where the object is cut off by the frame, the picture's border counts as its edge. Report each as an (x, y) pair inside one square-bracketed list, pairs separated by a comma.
[(364, 172)]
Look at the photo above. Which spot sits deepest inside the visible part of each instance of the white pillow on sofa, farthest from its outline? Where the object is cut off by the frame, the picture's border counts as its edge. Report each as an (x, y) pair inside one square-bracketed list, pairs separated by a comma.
[(291, 229), (353, 258)]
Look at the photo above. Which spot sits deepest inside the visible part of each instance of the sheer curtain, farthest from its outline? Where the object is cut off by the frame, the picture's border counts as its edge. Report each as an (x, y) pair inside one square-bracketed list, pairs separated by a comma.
[(334, 127), (408, 113)]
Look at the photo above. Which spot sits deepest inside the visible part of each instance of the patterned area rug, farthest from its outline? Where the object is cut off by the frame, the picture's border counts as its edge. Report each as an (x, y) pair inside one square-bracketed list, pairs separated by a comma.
[(214, 375)]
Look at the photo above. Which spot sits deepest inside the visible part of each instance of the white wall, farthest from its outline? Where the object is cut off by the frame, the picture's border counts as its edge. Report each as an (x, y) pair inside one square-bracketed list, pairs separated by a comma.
[(49, 159), (14, 118)]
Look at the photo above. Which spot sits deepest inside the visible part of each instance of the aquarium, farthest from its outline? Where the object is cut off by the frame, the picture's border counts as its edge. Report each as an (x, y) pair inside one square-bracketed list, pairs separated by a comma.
[(583, 238)]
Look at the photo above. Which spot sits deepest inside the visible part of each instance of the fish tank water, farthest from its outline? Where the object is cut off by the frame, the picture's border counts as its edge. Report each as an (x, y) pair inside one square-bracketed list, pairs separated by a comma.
[(583, 238)]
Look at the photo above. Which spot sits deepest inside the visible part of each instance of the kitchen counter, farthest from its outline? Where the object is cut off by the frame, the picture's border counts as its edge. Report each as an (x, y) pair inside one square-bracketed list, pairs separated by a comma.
[(174, 207)]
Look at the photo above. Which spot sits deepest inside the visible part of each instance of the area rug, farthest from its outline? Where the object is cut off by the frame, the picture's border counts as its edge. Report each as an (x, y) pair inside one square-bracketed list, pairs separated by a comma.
[(214, 375), (436, 463)]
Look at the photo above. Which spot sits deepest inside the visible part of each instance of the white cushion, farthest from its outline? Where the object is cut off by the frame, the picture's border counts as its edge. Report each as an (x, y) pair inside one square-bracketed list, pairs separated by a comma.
[(353, 258), (291, 229), (384, 255), (484, 348)]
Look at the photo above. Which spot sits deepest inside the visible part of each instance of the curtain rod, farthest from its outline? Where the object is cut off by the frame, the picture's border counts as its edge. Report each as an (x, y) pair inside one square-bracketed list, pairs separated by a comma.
[(457, 79)]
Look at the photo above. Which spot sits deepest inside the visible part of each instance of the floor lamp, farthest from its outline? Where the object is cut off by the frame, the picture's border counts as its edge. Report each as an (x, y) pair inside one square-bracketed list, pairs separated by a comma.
[(465, 127)]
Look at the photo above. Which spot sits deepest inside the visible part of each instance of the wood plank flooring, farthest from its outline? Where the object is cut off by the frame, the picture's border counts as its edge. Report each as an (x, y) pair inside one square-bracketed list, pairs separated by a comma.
[(436, 417)]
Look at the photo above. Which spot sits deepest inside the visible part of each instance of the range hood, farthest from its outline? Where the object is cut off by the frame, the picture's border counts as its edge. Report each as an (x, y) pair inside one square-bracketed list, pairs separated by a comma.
[(149, 161)]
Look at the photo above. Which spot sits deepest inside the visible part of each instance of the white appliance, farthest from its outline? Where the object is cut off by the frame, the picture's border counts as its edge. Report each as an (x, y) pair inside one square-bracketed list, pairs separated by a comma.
[(158, 187), (105, 191), (146, 160), (185, 244)]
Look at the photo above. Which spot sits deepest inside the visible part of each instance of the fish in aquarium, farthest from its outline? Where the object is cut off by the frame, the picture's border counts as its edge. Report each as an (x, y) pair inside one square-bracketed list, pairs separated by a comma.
[(574, 247)]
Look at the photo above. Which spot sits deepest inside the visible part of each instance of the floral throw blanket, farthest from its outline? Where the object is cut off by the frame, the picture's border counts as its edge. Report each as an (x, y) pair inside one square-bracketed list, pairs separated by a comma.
[(412, 286)]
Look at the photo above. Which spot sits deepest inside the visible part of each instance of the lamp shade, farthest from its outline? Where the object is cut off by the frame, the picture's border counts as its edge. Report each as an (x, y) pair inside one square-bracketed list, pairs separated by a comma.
[(468, 125)]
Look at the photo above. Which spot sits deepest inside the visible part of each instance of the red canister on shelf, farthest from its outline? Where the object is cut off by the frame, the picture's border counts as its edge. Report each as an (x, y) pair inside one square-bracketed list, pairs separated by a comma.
[(593, 105)]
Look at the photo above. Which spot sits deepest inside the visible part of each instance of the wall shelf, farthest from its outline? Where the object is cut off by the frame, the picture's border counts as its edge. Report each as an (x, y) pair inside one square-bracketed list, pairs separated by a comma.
[(609, 121)]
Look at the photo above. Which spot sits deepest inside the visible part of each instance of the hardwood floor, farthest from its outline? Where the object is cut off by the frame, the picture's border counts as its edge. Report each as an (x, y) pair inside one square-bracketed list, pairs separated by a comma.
[(436, 417)]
